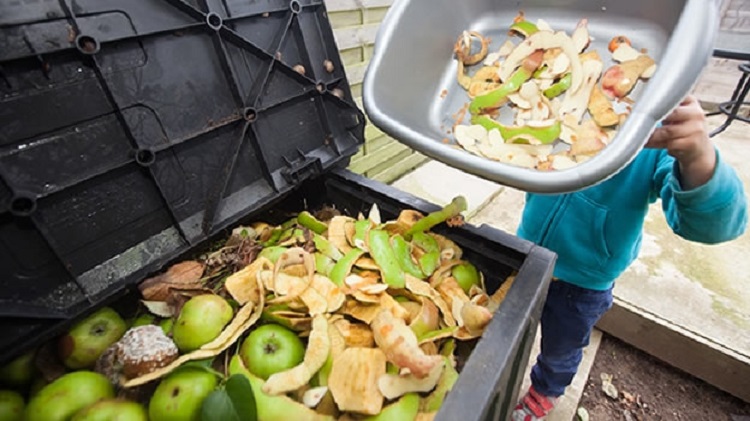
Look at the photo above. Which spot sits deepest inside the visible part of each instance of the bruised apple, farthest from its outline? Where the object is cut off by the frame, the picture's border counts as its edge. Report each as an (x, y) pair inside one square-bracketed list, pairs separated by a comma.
[(86, 340)]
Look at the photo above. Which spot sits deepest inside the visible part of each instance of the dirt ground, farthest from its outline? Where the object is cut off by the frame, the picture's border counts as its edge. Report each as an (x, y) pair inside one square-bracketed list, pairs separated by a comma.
[(651, 390)]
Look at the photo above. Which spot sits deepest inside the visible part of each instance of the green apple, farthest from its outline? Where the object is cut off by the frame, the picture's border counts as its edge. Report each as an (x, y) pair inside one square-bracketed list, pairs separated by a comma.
[(38, 384), (466, 275), (88, 338), (112, 410), (271, 348), (166, 325), (201, 320), (404, 409), (278, 407), (180, 395), (11, 406), (142, 320), (67, 395), (18, 373)]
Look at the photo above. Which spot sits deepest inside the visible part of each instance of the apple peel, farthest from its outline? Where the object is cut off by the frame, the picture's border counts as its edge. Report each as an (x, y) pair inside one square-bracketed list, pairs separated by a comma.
[(393, 385), (422, 288), (354, 380), (318, 347), (400, 344), (243, 285)]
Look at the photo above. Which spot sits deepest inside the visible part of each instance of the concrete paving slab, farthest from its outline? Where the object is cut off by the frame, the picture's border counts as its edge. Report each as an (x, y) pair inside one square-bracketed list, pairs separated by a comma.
[(503, 211), (439, 183)]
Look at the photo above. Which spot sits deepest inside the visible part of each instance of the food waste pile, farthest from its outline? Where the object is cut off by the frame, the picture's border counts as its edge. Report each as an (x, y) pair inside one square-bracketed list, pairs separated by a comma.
[(564, 106), (323, 317)]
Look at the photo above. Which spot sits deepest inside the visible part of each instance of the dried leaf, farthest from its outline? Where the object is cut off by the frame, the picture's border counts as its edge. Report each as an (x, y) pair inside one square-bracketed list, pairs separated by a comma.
[(185, 275)]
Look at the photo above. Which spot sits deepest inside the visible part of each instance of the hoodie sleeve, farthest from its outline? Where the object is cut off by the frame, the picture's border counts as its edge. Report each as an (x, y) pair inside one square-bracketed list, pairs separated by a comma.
[(713, 213)]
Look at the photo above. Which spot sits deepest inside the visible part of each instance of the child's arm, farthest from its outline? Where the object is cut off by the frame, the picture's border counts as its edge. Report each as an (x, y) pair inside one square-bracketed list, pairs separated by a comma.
[(702, 196)]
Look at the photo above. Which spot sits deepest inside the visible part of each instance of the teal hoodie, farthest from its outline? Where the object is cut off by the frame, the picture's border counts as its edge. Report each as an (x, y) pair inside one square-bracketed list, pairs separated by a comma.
[(597, 232)]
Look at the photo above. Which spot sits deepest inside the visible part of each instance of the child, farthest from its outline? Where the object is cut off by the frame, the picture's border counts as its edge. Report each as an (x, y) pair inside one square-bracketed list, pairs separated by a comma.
[(597, 233)]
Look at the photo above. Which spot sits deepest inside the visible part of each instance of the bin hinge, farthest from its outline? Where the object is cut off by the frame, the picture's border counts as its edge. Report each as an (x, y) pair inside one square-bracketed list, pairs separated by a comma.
[(302, 168)]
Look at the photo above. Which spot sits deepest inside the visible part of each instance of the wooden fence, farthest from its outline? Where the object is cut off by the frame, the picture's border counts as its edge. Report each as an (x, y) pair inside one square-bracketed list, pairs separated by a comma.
[(355, 24)]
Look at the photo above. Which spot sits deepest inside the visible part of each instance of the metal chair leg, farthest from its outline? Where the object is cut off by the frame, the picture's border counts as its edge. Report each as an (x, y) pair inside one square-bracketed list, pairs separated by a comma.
[(738, 99)]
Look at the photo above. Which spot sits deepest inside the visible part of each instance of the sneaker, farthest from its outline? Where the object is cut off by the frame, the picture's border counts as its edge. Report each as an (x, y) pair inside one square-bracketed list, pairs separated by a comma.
[(533, 406)]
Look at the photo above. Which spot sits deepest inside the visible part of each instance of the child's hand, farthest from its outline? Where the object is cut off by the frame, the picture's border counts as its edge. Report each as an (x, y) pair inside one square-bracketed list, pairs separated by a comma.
[(684, 135)]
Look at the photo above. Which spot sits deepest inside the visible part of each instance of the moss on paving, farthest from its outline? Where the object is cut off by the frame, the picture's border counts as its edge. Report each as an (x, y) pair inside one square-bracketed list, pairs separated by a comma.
[(706, 265)]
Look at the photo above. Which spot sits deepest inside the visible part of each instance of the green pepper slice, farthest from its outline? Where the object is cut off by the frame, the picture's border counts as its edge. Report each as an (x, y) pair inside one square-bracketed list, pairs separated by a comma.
[(544, 135), (382, 253)]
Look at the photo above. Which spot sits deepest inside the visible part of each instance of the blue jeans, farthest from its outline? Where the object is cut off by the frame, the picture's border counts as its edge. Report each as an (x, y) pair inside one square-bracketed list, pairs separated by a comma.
[(568, 317)]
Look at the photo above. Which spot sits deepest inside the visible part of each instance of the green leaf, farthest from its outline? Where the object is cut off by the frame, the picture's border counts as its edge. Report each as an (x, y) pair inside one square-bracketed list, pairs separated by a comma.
[(233, 403), (218, 406), (239, 390)]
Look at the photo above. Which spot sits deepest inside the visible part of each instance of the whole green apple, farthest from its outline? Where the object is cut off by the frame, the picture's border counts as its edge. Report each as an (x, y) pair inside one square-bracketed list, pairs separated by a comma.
[(18, 373), (201, 320), (271, 348), (276, 407), (180, 395), (466, 275), (11, 406), (67, 395), (112, 410), (88, 338)]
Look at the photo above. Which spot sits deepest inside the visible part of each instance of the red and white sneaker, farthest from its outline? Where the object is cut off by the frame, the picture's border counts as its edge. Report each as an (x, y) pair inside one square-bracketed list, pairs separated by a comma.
[(533, 406)]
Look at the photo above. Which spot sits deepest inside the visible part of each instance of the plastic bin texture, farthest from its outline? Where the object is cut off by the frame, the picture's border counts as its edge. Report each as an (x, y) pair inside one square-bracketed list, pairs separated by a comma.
[(130, 131), (410, 90)]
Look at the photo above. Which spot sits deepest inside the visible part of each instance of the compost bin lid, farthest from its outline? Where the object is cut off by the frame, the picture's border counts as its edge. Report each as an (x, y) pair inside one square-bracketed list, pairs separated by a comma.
[(132, 131)]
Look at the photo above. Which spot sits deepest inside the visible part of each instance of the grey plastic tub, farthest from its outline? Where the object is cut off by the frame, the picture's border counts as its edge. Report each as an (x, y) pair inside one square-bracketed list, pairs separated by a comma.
[(413, 63)]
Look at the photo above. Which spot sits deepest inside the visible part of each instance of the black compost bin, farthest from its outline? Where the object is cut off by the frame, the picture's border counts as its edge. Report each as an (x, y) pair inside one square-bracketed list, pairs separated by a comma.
[(133, 133)]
